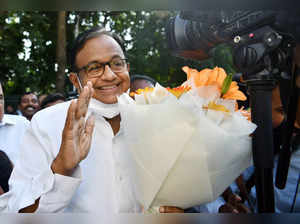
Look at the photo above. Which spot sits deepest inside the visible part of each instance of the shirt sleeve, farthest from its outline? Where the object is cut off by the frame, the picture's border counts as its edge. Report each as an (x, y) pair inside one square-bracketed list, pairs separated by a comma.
[(58, 197), (32, 177), (213, 207), (4, 201)]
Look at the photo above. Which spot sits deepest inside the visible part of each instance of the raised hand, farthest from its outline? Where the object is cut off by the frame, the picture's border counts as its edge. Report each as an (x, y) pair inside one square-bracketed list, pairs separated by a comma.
[(77, 134)]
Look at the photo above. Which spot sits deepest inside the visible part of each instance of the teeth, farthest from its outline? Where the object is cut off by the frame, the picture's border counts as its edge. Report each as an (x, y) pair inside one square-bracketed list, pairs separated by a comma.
[(108, 87)]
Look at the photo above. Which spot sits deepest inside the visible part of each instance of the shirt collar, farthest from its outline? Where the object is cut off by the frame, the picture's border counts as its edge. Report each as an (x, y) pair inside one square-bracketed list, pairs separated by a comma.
[(7, 120)]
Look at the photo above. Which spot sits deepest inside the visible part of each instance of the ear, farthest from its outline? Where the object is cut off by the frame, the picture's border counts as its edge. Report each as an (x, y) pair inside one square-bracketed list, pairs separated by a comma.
[(74, 79)]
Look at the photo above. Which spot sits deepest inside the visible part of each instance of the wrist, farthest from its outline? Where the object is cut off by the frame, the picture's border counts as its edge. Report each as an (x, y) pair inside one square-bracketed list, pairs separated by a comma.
[(58, 167)]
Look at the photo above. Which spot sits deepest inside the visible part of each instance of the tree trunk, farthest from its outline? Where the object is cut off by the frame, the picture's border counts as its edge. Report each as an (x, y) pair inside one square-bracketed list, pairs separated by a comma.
[(61, 51)]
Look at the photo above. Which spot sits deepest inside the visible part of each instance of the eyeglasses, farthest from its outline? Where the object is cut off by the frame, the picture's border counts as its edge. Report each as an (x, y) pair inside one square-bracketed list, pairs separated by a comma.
[(96, 69)]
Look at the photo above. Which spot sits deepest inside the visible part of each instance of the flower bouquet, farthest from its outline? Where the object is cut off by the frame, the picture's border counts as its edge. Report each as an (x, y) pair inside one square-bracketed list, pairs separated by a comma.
[(186, 145)]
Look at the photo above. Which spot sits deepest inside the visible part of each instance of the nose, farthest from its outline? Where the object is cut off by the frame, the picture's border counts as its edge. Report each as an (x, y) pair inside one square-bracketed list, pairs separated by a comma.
[(108, 74)]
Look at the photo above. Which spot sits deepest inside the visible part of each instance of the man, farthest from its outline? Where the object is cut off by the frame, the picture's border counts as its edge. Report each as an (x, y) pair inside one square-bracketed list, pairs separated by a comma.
[(140, 82), (28, 104), (70, 163), (10, 110), (12, 128), (288, 199)]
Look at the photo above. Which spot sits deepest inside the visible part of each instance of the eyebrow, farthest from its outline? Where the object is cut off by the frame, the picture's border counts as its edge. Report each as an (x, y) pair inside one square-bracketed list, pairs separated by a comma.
[(95, 61)]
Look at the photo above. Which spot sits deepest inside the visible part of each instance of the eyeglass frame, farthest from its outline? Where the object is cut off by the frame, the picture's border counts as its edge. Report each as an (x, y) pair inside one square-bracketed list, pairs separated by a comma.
[(103, 64)]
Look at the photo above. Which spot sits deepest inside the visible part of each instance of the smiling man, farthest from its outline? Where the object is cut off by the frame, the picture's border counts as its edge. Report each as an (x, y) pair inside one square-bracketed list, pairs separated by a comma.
[(28, 105), (70, 154), (72, 159)]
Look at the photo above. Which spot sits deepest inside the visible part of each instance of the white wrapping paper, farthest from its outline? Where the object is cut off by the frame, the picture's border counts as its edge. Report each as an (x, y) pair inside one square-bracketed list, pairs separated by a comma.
[(182, 155)]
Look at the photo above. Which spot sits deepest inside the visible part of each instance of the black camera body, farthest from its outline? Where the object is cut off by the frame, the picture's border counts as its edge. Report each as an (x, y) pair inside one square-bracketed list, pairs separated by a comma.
[(251, 34), (198, 30)]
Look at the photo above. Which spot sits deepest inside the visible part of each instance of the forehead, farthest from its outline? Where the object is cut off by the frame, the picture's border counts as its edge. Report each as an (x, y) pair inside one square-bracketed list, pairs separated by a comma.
[(1, 91), (29, 96), (101, 49)]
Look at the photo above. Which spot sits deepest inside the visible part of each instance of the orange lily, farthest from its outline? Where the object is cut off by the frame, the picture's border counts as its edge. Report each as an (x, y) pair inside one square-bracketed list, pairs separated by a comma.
[(140, 91), (216, 76), (178, 91)]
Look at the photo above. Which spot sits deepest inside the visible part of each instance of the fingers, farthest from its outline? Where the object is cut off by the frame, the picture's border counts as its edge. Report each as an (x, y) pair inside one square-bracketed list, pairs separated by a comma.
[(83, 100), (89, 126), (227, 208), (86, 137), (242, 208), (237, 208), (234, 198), (81, 126), (170, 209), (237, 202), (70, 116)]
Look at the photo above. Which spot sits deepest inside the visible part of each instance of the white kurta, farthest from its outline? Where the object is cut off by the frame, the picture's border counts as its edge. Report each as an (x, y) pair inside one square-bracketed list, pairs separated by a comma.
[(99, 184), (12, 129)]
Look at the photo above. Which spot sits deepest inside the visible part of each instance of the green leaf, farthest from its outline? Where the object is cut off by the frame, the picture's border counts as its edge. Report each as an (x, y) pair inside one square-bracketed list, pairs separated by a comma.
[(226, 84)]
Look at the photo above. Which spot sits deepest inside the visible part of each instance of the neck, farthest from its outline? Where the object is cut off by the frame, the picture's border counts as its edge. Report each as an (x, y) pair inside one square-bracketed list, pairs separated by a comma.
[(114, 123)]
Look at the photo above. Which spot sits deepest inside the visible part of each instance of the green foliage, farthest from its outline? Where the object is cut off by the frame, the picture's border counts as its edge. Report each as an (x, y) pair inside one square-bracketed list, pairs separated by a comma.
[(27, 57), (143, 31)]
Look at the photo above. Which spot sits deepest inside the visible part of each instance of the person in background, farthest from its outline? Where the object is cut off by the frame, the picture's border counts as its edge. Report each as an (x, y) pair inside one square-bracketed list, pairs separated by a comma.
[(288, 199), (6, 168), (28, 104), (12, 128), (140, 82), (10, 110), (51, 100)]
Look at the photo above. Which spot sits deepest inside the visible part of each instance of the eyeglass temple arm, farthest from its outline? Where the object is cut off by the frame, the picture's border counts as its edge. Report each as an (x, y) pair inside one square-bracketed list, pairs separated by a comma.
[(79, 82)]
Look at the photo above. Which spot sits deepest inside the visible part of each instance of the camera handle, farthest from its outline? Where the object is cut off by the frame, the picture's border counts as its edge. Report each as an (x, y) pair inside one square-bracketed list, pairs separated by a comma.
[(262, 141)]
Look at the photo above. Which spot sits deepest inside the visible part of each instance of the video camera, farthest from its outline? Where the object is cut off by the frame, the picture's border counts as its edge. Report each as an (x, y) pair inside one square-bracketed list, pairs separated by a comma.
[(262, 44), (251, 34)]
